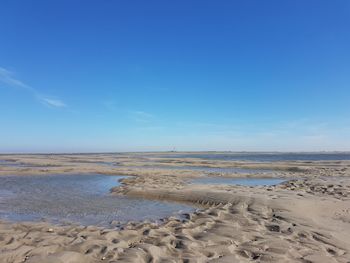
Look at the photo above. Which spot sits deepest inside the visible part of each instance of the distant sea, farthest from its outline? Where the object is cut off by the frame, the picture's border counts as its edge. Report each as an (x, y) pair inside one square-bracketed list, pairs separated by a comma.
[(263, 157)]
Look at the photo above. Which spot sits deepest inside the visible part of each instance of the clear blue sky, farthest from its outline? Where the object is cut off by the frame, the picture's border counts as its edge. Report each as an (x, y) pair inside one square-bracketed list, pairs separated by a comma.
[(153, 75)]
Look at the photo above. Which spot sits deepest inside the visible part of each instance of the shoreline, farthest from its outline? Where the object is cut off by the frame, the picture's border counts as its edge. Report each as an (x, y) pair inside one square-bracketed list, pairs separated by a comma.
[(302, 220), (142, 165)]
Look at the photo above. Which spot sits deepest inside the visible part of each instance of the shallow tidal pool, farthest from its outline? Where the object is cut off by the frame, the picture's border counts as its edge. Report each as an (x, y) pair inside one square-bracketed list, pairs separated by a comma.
[(81, 199)]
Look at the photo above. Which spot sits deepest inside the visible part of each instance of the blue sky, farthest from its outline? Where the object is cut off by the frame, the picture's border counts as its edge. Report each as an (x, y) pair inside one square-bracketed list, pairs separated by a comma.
[(80, 76)]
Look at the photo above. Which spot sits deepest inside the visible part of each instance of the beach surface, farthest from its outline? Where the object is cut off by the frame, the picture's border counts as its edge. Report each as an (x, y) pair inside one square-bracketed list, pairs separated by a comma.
[(304, 219)]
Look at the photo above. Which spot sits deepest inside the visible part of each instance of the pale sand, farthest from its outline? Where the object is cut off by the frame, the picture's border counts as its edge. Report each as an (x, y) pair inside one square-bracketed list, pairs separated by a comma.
[(306, 220)]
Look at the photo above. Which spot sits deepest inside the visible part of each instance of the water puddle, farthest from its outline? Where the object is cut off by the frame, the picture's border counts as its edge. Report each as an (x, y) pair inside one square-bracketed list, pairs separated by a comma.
[(82, 199), (239, 181), (225, 170), (10, 163), (221, 170)]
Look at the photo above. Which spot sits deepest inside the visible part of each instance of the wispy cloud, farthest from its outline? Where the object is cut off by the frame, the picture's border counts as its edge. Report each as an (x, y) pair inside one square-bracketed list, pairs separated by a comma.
[(53, 102), (142, 116), (8, 78)]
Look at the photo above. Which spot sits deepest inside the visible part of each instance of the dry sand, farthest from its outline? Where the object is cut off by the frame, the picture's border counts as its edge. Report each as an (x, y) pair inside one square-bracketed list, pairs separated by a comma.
[(303, 220)]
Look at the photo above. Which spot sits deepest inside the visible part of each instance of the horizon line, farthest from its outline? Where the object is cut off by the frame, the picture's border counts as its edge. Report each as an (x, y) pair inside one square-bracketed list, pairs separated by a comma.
[(171, 151)]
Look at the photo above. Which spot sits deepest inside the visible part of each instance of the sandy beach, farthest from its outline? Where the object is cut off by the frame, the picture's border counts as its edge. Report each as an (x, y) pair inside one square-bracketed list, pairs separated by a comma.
[(305, 219), (174, 131)]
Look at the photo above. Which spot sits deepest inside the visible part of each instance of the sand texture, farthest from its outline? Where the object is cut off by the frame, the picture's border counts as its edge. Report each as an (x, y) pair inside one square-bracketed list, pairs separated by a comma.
[(306, 219)]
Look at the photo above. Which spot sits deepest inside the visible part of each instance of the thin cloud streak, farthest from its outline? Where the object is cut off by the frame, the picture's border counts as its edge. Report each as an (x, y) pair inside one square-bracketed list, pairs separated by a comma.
[(53, 103), (7, 77)]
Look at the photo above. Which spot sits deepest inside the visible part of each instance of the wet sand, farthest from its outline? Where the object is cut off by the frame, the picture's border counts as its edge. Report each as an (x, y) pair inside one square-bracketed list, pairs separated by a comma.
[(306, 219)]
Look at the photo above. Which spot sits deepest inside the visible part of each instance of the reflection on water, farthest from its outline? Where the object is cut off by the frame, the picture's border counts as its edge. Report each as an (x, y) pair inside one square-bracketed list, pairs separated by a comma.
[(238, 181), (83, 199)]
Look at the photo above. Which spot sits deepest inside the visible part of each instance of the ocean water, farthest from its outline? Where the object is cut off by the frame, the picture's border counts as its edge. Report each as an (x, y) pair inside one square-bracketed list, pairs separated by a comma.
[(81, 199), (261, 157)]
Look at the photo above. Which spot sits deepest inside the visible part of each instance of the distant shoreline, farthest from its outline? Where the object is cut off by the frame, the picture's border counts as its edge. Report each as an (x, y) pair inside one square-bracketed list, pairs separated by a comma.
[(177, 152)]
